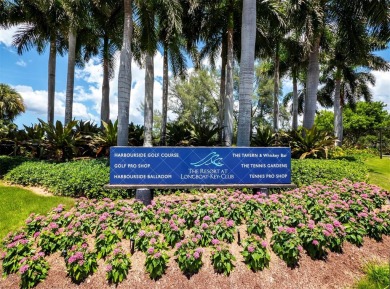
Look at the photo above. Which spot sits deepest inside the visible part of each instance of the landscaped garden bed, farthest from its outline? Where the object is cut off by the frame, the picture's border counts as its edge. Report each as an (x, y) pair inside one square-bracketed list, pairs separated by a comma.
[(92, 242)]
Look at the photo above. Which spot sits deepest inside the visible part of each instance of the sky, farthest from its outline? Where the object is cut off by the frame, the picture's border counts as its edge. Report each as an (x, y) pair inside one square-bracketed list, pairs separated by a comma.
[(27, 73)]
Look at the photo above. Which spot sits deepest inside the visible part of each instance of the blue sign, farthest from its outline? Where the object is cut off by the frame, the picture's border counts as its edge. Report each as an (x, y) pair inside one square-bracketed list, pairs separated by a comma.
[(199, 165)]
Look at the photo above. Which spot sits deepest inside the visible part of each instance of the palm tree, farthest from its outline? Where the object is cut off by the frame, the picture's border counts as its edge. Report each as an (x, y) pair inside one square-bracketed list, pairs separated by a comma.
[(77, 16), (11, 103), (107, 15), (124, 77), (41, 22), (312, 17), (246, 71), (169, 35), (146, 32)]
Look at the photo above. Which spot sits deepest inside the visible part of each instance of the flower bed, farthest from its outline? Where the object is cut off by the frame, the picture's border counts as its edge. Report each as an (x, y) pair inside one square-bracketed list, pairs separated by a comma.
[(313, 219)]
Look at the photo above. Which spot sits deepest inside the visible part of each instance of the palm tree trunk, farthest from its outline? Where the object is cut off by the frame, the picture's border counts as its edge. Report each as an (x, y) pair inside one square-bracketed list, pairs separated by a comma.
[(295, 103), (222, 89), (228, 103), (313, 73), (276, 89), (124, 77), (51, 79), (164, 115), (248, 32), (70, 76), (338, 113), (148, 109), (105, 105)]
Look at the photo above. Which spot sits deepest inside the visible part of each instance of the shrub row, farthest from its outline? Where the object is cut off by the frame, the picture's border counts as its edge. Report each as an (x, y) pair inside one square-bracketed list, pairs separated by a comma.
[(7, 163), (74, 179), (308, 171), (88, 177)]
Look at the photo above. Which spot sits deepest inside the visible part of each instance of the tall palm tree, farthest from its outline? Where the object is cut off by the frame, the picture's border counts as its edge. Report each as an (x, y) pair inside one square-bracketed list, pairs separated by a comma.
[(11, 103), (312, 18), (169, 35), (247, 63), (107, 17), (147, 39), (41, 22), (77, 16), (124, 77)]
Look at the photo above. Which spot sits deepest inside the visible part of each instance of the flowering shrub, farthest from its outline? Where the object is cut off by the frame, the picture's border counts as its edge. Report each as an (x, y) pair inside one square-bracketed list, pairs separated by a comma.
[(33, 269), (255, 225), (224, 230), (317, 217), (146, 238), (18, 247), (34, 223), (189, 255), (80, 262), (131, 225), (117, 265), (50, 238), (287, 245), (221, 258), (106, 241), (255, 253), (156, 262)]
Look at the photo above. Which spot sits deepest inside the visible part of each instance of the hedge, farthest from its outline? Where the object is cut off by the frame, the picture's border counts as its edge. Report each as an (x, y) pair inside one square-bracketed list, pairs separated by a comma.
[(83, 178), (308, 171)]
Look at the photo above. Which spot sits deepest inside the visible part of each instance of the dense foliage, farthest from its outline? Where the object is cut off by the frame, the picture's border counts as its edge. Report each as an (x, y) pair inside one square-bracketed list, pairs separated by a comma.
[(316, 219), (78, 178), (309, 171)]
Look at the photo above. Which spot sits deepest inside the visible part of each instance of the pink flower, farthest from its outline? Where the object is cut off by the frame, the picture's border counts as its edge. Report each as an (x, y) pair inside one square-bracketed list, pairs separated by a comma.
[(264, 244), (251, 249), (196, 255), (108, 268), (157, 255), (315, 243), (24, 269), (230, 223), (151, 250), (300, 249), (215, 242)]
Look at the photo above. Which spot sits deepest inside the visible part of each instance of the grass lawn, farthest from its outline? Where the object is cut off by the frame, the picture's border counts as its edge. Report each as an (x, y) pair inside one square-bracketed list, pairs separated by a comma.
[(17, 204), (379, 172)]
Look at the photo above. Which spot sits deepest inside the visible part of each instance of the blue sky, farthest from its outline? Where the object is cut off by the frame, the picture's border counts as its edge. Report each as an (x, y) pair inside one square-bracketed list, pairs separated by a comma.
[(27, 73)]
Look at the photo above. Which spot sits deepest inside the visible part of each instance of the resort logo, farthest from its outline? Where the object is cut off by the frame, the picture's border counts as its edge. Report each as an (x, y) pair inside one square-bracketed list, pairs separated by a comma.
[(211, 159)]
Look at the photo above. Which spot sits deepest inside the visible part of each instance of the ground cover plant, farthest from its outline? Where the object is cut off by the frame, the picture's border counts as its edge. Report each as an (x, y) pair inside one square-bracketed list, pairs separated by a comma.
[(377, 276), (88, 177), (16, 204), (310, 220), (74, 179)]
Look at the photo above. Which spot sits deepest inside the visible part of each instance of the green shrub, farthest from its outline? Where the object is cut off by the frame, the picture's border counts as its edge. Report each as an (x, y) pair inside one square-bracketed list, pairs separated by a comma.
[(7, 163), (74, 179), (309, 171), (377, 276)]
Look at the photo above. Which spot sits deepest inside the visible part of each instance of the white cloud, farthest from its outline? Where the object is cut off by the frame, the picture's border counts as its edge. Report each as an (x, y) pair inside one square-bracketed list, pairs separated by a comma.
[(21, 63), (87, 97), (7, 34), (381, 90)]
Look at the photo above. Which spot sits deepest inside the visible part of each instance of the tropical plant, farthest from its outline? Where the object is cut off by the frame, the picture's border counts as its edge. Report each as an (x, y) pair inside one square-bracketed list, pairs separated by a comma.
[(124, 77), (264, 137), (106, 138), (60, 139), (11, 103), (311, 143), (248, 41), (41, 24), (136, 134), (203, 134)]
